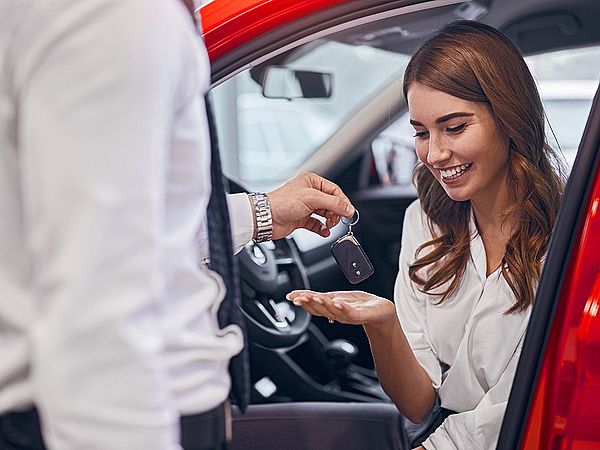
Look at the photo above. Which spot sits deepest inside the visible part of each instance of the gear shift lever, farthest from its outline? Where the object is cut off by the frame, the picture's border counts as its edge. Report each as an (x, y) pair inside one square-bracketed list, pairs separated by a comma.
[(340, 353)]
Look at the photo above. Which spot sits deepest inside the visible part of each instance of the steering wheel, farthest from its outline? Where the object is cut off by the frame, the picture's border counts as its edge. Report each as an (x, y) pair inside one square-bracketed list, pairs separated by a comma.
[(268, 271)]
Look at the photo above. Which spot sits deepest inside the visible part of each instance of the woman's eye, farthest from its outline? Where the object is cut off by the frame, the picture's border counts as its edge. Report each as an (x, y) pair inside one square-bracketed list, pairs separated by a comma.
[(457, 128), (420, 134)]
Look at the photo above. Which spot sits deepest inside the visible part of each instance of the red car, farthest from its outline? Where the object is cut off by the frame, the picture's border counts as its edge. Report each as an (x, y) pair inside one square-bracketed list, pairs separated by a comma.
[(349, 124)]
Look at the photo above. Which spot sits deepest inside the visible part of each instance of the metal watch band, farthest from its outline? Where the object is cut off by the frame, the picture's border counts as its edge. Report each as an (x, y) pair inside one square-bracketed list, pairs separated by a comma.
[(264, 219)]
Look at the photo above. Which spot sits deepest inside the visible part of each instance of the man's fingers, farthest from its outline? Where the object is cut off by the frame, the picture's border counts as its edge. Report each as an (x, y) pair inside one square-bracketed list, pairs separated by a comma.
[(316, 226), (320, 200), (332, 219), (324, 185), (330, 188)]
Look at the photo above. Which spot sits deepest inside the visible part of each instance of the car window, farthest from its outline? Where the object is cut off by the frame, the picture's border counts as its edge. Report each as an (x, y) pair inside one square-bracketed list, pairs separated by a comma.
[(265, 140), (567, 81), (567, 119)]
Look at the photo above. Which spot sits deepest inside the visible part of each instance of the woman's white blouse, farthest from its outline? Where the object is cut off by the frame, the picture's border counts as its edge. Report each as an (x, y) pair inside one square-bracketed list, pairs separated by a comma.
[(468, 345)]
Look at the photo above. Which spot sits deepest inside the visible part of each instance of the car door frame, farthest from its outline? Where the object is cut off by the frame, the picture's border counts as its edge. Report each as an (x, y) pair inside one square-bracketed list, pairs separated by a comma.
[(550, 296)]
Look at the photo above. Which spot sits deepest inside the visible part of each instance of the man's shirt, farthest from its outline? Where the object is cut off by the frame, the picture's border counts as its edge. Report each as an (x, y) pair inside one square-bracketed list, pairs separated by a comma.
[(107, 322)]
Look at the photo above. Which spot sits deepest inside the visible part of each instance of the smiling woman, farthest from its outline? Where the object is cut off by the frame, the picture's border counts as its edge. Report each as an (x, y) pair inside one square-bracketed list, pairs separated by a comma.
[(448, 144), (509, 170), (473, 245)]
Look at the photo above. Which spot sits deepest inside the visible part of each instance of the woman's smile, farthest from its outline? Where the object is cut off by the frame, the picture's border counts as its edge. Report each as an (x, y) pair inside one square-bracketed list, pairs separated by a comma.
[(454, 174)]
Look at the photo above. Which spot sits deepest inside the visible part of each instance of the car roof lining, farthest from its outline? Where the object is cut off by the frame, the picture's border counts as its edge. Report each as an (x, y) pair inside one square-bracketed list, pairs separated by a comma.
[(541, 26)]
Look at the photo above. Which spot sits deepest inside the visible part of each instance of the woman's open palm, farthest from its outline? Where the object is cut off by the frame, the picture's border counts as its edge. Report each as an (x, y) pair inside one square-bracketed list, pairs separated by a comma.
[(352, 307)]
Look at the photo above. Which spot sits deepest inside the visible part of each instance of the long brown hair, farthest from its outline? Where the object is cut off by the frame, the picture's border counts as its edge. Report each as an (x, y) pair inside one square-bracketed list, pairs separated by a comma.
[(475, 62)]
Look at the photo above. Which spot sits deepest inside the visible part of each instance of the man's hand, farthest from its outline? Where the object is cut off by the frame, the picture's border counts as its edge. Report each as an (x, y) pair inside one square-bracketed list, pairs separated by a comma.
[(293, 203)]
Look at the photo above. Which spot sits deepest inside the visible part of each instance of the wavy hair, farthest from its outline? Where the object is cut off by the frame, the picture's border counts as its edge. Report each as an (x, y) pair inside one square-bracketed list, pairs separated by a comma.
[(475, 62)]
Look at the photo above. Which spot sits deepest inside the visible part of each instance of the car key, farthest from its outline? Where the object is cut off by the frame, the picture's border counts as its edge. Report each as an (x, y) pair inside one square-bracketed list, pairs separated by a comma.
[(350, 256)]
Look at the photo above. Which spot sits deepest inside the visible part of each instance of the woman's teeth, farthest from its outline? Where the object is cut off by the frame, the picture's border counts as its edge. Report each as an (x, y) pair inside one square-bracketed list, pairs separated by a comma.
[(455, 172)]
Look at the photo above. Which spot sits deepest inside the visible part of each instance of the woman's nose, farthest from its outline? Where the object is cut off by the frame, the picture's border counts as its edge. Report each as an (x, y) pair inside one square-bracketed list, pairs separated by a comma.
[(437, 152)]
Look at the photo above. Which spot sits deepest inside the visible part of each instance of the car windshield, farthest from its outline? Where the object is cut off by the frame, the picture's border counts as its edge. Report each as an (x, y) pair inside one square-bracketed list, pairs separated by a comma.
[(265, 140)]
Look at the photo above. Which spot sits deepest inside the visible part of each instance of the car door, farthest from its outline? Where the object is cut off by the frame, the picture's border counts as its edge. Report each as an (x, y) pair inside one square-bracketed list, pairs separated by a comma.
[(555, 395)]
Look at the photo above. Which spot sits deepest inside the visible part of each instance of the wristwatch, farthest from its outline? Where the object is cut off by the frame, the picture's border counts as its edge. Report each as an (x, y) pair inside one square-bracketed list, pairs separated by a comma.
[(262, 216)]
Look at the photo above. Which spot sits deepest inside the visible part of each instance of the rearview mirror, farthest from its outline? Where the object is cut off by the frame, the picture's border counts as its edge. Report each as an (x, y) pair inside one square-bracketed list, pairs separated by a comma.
[(283, 82)]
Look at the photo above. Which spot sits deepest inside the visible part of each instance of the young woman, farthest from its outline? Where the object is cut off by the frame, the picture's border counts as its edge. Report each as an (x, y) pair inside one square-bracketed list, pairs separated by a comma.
[(473, 245)]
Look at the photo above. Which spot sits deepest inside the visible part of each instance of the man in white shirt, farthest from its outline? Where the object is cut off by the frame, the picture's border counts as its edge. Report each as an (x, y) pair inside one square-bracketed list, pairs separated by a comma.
[(107, 324)]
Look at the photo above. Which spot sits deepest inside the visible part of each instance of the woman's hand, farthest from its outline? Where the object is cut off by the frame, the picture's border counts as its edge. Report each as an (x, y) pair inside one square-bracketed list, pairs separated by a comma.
[(353, 307)]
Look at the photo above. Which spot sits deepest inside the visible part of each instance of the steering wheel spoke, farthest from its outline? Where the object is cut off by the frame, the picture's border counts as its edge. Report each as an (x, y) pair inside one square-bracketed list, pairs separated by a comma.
[(268, 271)]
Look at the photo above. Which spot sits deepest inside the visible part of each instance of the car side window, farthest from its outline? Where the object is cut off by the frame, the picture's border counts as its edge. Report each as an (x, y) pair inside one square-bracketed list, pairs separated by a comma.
[(567, 81)]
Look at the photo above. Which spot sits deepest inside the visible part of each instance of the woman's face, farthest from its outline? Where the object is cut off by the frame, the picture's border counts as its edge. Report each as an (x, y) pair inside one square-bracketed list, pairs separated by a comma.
[(459, 142)]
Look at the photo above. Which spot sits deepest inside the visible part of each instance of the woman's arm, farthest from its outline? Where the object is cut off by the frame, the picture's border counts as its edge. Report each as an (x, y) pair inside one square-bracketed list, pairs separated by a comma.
[(400, 374)]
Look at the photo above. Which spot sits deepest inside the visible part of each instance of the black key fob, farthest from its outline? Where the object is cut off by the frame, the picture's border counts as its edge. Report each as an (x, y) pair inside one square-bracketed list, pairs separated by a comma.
[(352, 259)]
